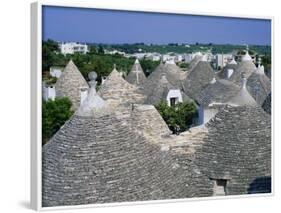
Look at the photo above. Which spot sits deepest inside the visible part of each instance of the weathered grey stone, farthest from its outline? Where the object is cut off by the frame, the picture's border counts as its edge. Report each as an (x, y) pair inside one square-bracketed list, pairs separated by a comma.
[(197, 79), (70, 83), (237, 147), (136, 76)]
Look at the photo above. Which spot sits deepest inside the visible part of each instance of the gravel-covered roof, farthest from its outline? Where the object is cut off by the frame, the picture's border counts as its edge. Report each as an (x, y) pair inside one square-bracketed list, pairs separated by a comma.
[(237, 147), (267, 104), (219, 92), (119, 91), (136, 76), (70, 83), (259, 86), (198, 78)]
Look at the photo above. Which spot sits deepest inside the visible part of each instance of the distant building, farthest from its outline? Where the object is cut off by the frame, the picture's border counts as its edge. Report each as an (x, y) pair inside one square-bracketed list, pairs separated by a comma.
[(222, 59), (73, 47), (113, 52)]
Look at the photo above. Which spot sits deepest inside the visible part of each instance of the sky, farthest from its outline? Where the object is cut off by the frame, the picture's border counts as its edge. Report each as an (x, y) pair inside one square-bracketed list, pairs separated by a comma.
[(112, 27)]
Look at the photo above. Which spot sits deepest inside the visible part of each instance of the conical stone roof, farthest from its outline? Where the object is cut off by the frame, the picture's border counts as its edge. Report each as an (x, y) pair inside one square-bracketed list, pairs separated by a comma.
[(136, 76), (237, 148), (172, 71), (159, 90), (244, 67), (149, 123), (243, 97), (70, 83), (119, 91), (259, 86), (195, 61), (198, 78), (219, 92), (101, 158)]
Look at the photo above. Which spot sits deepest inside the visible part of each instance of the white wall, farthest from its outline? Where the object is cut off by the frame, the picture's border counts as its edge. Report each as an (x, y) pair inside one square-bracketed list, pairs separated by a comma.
[(174, 93), (83, 95), (205, 114), (49, 92)]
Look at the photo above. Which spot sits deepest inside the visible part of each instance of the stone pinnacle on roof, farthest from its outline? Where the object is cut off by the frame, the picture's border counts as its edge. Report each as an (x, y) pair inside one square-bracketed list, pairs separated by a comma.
[(70, 83), (93, 105), (243, 98), (246, 57)]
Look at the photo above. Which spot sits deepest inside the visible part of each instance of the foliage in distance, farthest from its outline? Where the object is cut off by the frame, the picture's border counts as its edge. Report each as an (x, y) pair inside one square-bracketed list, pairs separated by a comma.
[(95, 60)]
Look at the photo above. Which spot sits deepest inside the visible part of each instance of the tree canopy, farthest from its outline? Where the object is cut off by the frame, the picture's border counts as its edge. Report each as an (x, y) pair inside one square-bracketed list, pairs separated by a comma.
[(180, 117), (54, 115)]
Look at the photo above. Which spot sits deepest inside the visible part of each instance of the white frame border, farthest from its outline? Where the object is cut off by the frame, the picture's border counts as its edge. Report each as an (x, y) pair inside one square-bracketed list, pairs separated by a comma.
[(36, 100)]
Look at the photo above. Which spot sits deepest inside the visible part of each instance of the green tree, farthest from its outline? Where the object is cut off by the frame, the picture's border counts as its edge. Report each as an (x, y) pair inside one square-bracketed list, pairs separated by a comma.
[(148, 66), (179, 118), (54, 115), (51, 55), (100, 50)]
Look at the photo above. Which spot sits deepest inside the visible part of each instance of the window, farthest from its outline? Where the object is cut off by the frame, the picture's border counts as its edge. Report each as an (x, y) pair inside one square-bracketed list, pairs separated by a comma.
[(173, 101), (220, 187)]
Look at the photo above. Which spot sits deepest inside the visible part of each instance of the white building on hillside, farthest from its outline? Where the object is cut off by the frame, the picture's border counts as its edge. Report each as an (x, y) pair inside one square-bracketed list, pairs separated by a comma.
[(73, 47), (222, 59)]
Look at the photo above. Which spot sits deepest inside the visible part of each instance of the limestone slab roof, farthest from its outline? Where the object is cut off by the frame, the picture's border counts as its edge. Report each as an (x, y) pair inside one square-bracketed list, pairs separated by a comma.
[(118, 90), (195, 61), (242, 98), (219, 92), (197, 79), (259, 86), (149, 123), (244, 67), (70, 83), (159, 90), (136, 76), (237, 148), (105, 160), (172, 71)]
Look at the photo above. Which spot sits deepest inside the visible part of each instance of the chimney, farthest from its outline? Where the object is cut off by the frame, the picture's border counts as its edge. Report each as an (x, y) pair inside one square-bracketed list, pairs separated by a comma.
[(243, 81)]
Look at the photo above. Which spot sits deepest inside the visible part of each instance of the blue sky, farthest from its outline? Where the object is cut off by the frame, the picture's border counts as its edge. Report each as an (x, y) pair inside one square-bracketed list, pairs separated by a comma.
[(108, 26)]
